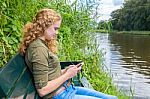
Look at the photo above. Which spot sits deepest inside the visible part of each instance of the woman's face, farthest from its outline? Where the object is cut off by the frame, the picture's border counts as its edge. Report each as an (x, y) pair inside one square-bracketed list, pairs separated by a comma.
[(51, 32)]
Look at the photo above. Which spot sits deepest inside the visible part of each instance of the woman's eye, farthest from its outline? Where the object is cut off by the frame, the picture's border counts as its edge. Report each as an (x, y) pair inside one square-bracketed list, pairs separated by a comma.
[(56, 28)]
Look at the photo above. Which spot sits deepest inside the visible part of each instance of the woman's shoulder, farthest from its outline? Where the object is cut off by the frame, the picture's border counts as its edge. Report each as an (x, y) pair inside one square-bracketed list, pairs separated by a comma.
[(36, 43), (37, 47)]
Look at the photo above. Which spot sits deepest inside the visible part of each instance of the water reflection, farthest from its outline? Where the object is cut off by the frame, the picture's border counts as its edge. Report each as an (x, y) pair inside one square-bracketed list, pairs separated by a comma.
[(135, 50), (128, 58)]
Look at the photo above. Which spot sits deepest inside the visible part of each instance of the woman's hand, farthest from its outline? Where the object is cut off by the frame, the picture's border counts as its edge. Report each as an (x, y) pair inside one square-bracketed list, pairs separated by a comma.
[(72, 70)]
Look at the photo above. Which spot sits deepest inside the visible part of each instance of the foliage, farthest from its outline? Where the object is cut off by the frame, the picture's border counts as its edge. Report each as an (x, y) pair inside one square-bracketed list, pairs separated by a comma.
[(105, 25), (13, 15), (16, 13), (134, 15)]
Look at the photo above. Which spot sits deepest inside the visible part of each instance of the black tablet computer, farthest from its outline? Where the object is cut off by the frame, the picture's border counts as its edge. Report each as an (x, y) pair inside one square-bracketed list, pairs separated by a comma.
[(67, 63)]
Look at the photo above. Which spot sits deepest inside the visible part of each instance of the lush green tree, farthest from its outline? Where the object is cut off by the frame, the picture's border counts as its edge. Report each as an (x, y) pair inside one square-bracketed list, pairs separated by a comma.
[(134, 15), (104, 25)]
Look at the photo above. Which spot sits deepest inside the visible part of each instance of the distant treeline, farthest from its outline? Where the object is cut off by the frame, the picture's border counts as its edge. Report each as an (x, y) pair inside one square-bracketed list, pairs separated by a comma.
[(134, 15)]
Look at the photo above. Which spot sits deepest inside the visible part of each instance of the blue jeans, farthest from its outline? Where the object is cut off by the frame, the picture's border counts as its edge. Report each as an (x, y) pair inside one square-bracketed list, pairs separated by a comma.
[(72, 92)]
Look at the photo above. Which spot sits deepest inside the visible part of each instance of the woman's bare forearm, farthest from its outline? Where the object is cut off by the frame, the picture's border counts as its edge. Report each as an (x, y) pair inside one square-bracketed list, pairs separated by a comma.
[(63, 71), (52, 85)]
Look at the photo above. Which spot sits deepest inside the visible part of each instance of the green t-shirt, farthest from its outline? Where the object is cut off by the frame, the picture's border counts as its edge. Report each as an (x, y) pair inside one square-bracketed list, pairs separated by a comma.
[(44, 65)]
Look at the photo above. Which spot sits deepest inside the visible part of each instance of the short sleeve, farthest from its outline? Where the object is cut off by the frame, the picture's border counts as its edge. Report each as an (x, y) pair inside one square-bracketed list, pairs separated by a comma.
[(39, 59)]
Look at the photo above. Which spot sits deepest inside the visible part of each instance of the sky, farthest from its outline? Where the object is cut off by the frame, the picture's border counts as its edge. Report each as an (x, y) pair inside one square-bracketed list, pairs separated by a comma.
[(107, 6)]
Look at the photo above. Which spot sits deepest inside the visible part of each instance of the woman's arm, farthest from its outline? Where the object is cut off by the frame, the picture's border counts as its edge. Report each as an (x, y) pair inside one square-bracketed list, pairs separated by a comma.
[(54, 84), (63, 71), (41, 71)]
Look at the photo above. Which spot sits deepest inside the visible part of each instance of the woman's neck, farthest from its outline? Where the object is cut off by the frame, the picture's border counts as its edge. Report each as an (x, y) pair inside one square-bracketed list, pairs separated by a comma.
[(42, 38)]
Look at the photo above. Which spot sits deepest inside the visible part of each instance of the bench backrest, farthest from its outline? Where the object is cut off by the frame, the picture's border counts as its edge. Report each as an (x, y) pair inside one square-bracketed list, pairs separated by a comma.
[(16, 81)]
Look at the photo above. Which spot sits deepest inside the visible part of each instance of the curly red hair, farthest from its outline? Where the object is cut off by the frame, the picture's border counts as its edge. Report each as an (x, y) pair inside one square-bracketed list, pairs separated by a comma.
[(44, 19)]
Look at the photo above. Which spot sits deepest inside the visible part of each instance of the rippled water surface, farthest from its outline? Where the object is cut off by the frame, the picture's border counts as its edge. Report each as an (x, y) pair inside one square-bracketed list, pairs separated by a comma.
[(127, 57)]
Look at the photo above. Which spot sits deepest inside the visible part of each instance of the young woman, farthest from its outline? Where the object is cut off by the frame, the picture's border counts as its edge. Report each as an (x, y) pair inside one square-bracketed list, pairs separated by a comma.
[(39, 46)]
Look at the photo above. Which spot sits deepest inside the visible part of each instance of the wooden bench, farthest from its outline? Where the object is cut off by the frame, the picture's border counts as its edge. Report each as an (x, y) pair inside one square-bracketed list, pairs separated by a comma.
[(16, 80)]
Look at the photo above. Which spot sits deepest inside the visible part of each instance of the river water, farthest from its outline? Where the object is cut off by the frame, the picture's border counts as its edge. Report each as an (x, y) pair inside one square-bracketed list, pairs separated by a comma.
[(127, 59)]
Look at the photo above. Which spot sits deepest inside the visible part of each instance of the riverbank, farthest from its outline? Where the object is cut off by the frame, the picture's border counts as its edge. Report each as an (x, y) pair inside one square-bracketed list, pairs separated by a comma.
[(123, 32), (132, 32), (101, 31)]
